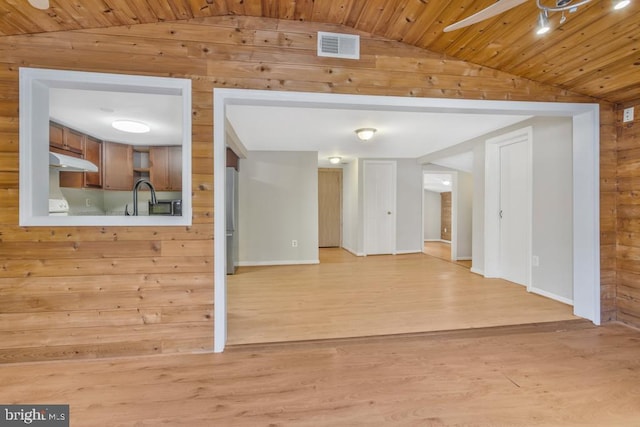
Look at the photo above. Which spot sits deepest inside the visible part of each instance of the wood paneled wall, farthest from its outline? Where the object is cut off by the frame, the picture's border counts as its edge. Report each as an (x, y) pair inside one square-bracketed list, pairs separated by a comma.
[(445, 216), (91, 291), (628, 221)]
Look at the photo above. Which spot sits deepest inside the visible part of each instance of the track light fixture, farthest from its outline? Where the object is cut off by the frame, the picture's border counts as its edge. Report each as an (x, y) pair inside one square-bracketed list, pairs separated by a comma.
[(620, 4), (543, 23), (563, 6)]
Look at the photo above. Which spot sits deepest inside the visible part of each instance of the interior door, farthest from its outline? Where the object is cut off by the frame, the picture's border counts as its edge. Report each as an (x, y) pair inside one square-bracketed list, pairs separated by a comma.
[(514, 213), (379, 207), (329, 207)]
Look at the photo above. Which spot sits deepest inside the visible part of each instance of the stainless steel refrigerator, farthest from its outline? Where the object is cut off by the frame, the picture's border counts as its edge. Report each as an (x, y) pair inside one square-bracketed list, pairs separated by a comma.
[(231, 210)]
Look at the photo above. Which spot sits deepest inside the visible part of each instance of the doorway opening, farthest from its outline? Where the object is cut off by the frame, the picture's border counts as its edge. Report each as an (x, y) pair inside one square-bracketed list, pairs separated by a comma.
[(585, 171), (439, 213)]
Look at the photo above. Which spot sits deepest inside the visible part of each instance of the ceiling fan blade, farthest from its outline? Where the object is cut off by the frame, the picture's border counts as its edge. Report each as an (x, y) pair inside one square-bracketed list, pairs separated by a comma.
[(489, 12), (39, 4)]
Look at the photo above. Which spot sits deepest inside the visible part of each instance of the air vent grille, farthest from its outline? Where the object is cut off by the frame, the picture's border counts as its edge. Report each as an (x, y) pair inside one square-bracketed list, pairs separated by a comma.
[(336, 45)]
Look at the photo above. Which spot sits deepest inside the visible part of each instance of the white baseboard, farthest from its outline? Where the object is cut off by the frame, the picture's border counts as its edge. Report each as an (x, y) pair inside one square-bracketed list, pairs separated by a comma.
[(437, 240), (278, 262), (352, 252), (477, 271), (417, 251), (464, 258), (552, 296)]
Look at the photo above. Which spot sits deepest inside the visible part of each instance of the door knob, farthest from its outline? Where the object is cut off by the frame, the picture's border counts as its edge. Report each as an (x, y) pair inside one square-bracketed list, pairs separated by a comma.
[(388, 212)]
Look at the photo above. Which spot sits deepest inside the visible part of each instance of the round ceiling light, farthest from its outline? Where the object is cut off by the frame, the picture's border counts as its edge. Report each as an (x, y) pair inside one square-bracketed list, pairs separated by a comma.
[(131, 126), (39, 4), (335, 160), (365, 134)]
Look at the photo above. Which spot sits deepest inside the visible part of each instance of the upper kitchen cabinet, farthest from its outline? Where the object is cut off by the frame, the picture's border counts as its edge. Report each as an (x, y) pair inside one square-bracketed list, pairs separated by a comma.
[(63, 138), (165, 168), (118, 166), (70, 142), (93, 153)]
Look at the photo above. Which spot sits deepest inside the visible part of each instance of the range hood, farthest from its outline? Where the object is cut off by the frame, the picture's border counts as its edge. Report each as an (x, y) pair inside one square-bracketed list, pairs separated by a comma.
[(70, 164)]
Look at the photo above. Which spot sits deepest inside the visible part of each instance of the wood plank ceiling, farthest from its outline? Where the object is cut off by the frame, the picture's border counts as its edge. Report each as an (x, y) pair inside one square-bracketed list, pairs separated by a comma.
[(595, 52)]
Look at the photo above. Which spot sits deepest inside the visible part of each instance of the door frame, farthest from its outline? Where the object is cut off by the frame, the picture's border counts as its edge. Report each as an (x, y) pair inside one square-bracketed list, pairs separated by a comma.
[(394, 187), (492, 181), (454, 208), (586, 175)]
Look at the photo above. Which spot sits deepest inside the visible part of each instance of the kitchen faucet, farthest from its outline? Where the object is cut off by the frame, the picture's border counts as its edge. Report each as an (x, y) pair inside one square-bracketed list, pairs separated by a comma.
[(137, 185)]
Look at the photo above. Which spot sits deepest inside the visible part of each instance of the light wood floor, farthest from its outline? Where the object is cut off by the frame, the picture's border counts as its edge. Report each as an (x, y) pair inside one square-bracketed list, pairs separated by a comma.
[(442, 250), (349, 296), (572, 374)]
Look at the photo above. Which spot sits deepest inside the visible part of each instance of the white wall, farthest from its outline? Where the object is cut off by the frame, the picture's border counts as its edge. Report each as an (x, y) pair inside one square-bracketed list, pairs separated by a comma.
[(350, 225), (465, 190), (409, 206), (278, 203), (432, 215), (553, 207), (477, 264)]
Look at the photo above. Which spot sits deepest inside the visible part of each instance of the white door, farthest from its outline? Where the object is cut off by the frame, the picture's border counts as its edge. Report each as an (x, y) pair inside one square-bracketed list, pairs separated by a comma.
[(514, 213), (379, 207)]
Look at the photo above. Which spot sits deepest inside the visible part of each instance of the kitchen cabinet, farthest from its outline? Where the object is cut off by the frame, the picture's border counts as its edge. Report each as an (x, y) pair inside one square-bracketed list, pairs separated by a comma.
[(77, 144), (66, 139), (165, 168), (93, 153), (125, 164), (140, 163), (118, 166)]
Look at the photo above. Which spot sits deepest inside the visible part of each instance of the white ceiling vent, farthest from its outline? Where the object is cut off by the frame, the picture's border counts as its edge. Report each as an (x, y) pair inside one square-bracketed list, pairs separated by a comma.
[(337, 45)]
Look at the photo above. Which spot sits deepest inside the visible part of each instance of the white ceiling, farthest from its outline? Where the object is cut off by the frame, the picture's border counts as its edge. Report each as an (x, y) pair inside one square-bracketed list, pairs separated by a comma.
[(93, 111), (330, 131), (462, 162), (438, 182)]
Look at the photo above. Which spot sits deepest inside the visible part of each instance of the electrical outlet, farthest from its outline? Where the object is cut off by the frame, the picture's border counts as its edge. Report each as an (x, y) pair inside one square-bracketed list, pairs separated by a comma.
[(294, 243), (535, 261), (87, 203), (627, 116)]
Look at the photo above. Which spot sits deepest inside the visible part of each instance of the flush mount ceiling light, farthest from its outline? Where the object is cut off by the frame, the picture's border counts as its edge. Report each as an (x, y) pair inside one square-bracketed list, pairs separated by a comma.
[(131, 126), (335, 160), (365, 134), (39, 4)]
